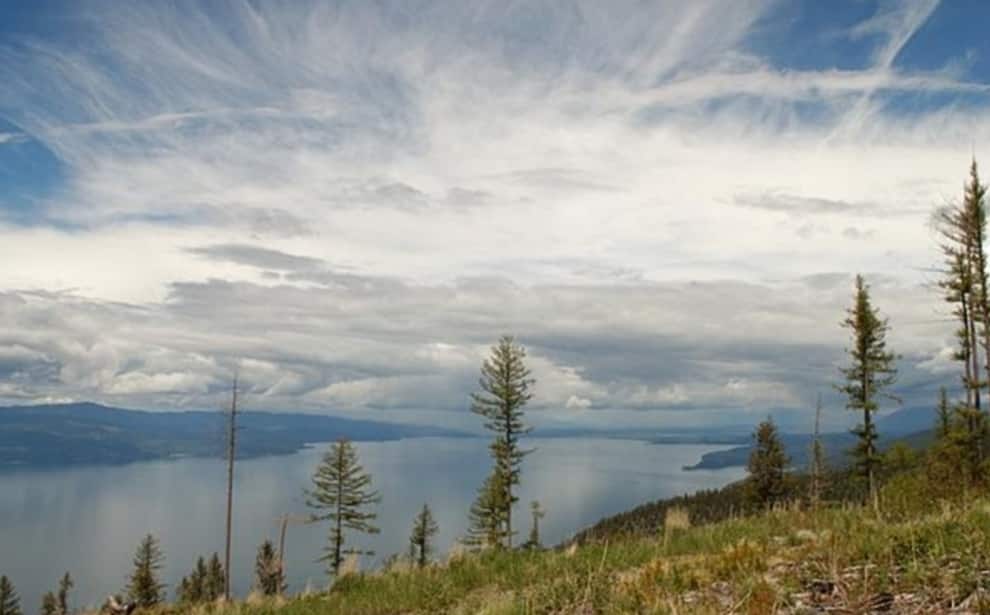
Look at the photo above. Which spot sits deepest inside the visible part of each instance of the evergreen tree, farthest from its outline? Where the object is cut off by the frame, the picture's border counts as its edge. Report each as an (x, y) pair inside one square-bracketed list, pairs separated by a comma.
[(144, 587), (214, 580), (65, 584), (184, 593), (943, 423), (486, 519), (192, 589), (537, 513), (767, 465), (342, 493), (818, 469), (49, 604), (974, 206), (505, 389), (965, 284), (268, 571), (421, 539), (10, 603), (871, 371)]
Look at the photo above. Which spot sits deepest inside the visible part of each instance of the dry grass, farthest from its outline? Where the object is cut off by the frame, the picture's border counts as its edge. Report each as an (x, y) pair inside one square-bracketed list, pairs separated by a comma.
[(842, 559)]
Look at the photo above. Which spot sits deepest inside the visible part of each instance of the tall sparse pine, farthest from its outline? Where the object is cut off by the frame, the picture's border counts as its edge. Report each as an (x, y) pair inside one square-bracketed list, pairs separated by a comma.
[(342, 495), (870, 373), (506, 387)]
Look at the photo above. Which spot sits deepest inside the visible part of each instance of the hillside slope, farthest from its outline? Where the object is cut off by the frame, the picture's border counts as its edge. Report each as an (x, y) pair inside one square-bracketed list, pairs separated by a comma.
[(841, 560)]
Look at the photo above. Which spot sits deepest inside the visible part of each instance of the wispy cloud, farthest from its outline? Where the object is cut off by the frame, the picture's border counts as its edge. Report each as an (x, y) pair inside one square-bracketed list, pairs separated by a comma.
[(12, 137), (372, 192)]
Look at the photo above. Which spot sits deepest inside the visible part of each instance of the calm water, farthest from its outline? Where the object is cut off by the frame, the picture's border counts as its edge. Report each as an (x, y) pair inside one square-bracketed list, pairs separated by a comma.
[(89, 520)]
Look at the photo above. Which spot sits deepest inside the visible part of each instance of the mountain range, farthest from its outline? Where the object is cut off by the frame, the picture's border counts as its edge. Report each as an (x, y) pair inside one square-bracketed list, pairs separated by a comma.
[(86, 433), (911, 425)]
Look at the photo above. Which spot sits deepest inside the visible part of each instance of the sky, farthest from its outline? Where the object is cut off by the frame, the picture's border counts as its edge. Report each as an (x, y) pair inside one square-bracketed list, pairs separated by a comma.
[(349, 202)]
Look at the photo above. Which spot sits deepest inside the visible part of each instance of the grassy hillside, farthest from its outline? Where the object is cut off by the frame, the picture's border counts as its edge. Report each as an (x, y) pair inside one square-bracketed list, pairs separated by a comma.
[(788, 561), (920, 555)]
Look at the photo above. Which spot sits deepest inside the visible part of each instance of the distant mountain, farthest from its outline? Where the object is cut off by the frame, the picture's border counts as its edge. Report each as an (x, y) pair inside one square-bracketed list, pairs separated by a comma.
[(86, 433), (906, 421), (658, 436), (798, 447)]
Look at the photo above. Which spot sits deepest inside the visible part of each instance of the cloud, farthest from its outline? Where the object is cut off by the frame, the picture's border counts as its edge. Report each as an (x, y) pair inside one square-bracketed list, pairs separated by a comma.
[(255, 256), (11, 137), (350, 201), (790, 203), (417, 350)]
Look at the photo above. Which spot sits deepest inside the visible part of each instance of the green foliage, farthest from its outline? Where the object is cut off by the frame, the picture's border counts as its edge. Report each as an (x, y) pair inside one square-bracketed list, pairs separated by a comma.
[(214, 581), (767, 481), (204, 584), (943, 422), (268, 571), (486, 520), (65, 585), (871, 371), (506, 387), (342, 494), (536, 513), (758, 564), (421, 539), (10, 603), (970, 434), (899, 458), (144, 587), (49, 604), (966, 287), (818, 466)]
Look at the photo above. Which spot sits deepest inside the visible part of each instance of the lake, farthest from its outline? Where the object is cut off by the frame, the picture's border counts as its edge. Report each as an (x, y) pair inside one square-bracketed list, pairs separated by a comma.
[(89, 520)]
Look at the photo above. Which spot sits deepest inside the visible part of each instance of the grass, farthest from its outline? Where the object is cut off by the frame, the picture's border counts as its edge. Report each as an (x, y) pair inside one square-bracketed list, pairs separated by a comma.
[(928, 559)]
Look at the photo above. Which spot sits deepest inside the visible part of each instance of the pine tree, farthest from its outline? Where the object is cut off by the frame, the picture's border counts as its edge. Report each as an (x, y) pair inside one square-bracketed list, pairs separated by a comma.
[(965, 284), (144, 587), (870, 373), (342, 492), (214, 579), (184, 593), (267, 571), (943, 422), (192, 589), (65, 584), (421, 539), (537, 513), (818, 469), (49, 604), (974, 206), (505, 389), (767, 465), (486, 519), (10, 603)]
